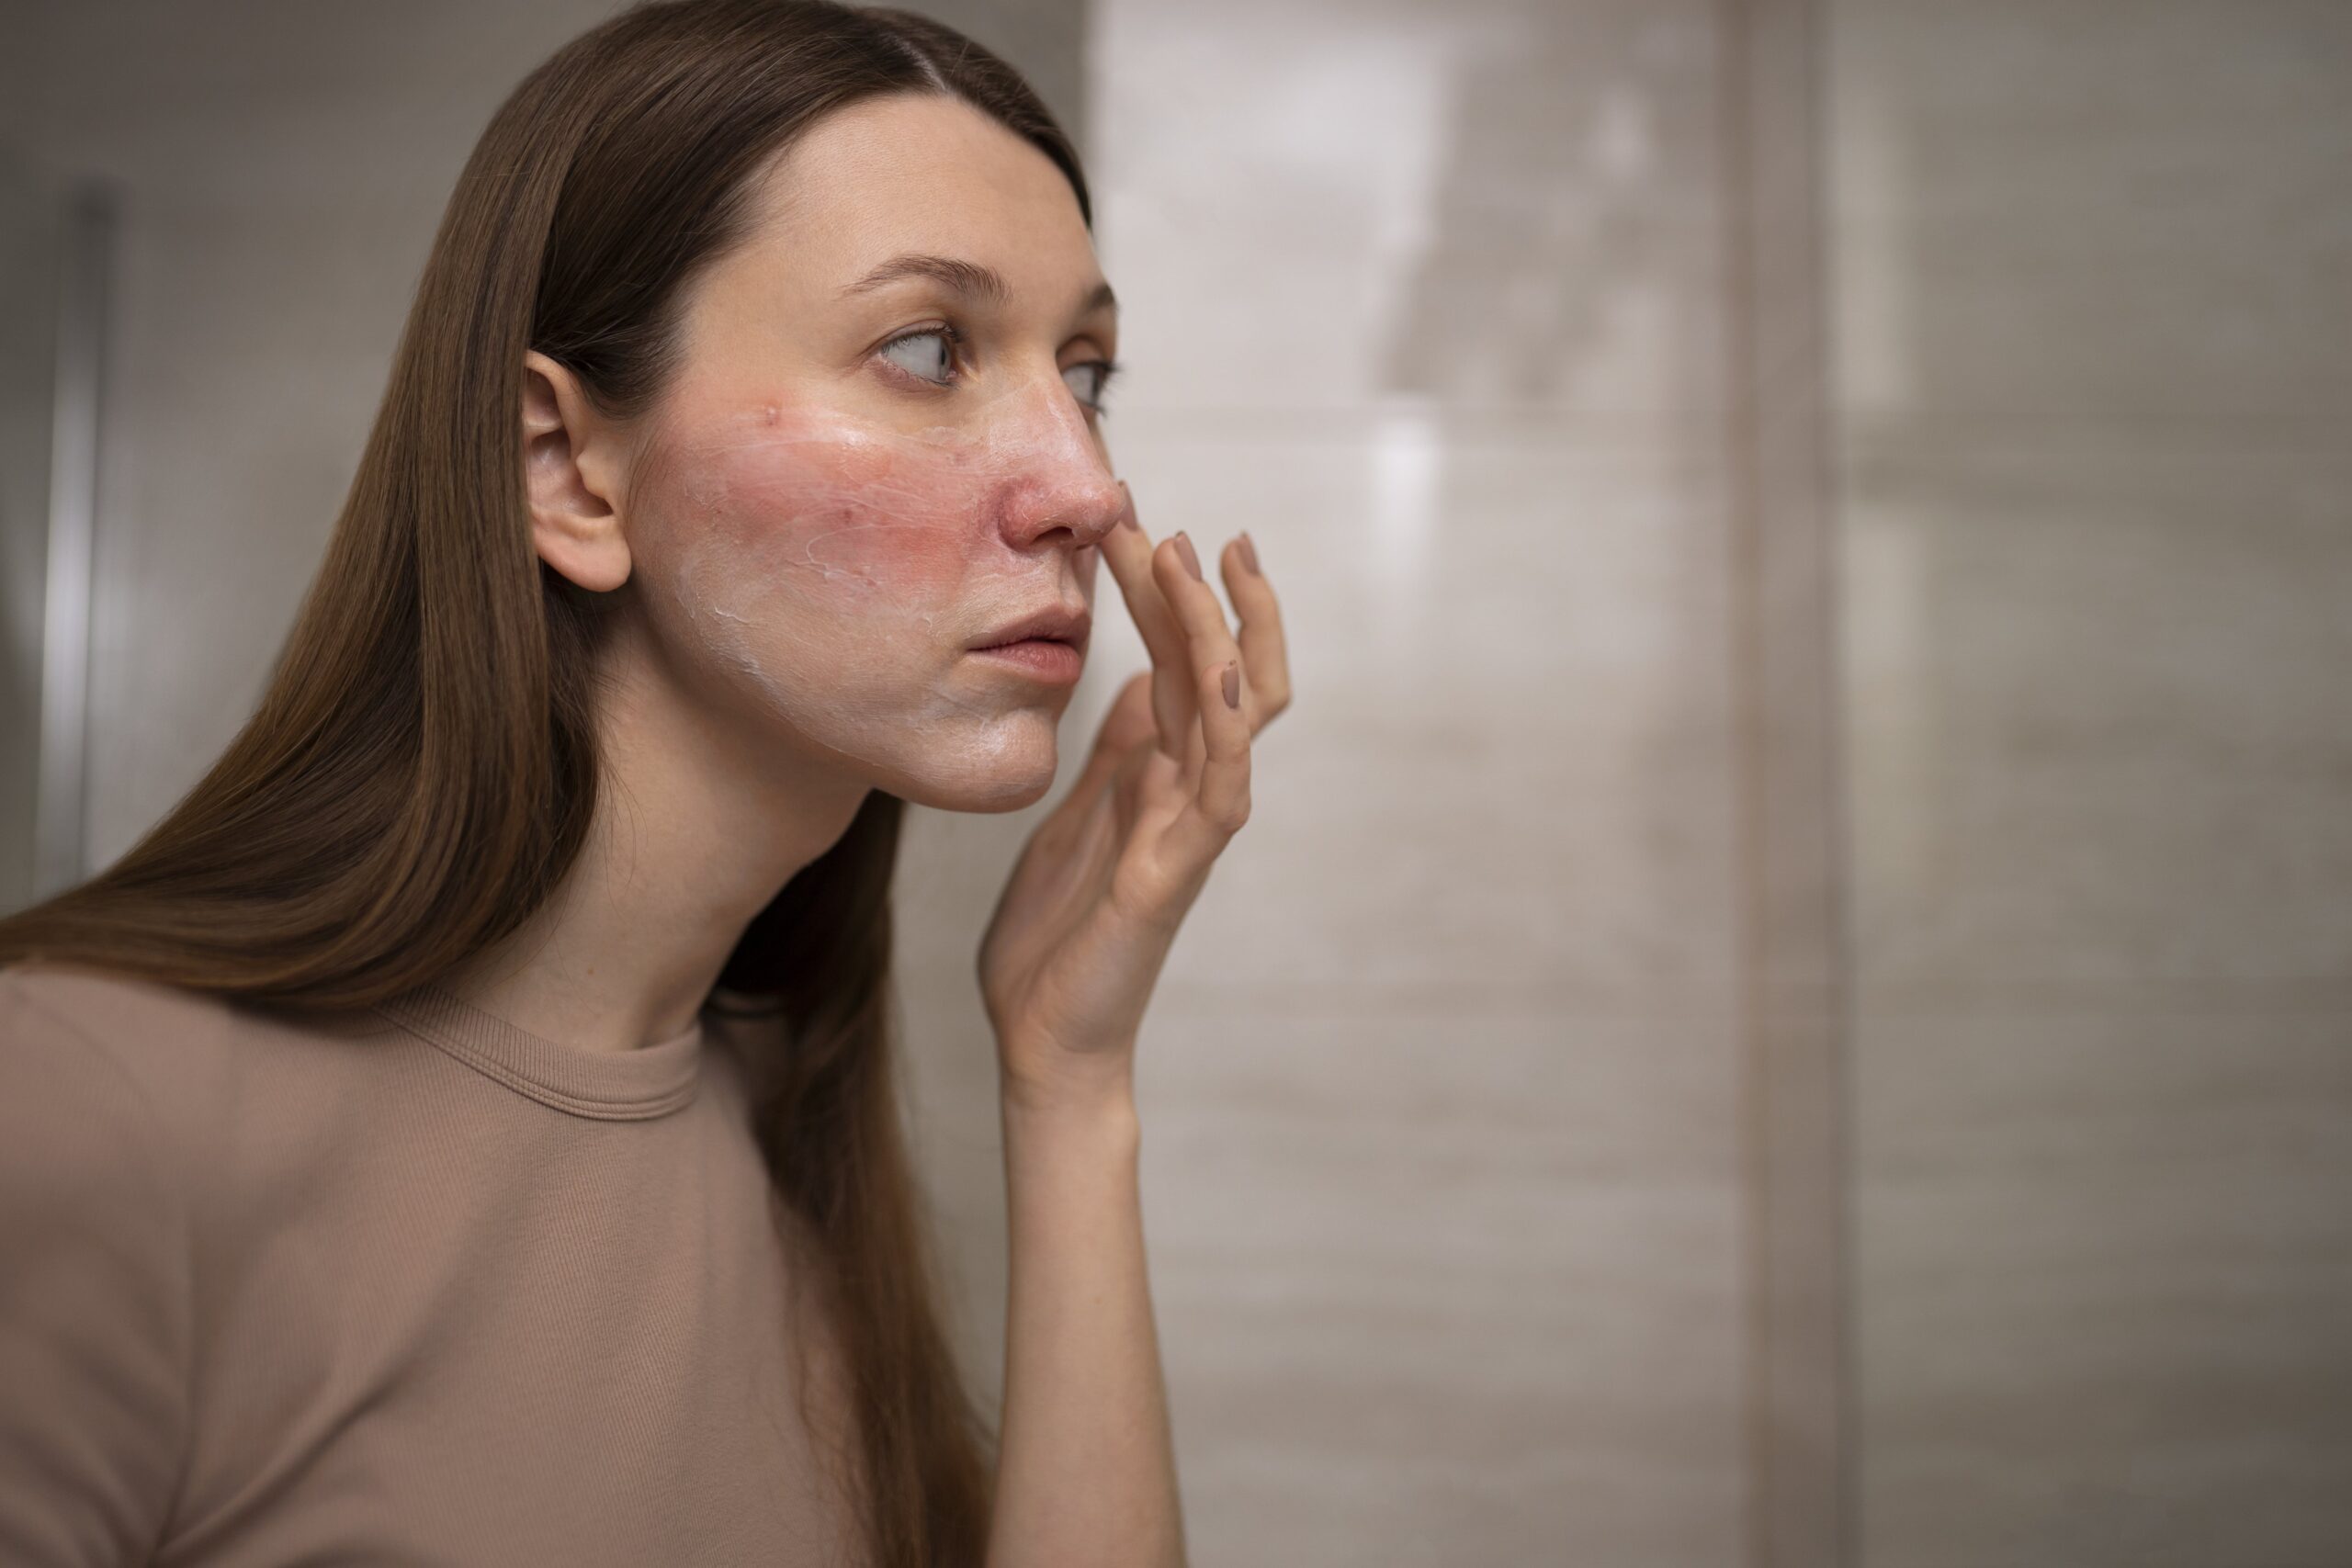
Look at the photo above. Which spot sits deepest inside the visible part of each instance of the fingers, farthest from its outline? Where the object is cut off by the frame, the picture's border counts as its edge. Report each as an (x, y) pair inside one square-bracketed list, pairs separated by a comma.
[(1221, 803), (1264, 657), (1196, 659), (1127, 550), (1208, 641)]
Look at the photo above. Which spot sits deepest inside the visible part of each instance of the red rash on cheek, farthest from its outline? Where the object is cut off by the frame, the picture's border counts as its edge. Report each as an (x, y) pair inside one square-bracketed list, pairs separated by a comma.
[(813, 501)]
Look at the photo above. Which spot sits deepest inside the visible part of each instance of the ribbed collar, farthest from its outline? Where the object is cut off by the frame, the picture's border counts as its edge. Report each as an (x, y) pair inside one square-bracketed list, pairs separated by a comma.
[(612, 1085)]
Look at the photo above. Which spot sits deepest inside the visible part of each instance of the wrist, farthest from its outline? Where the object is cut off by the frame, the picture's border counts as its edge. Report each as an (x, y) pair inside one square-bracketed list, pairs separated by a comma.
[(1091, 1109), (1058, 1083), (1070, 1157)]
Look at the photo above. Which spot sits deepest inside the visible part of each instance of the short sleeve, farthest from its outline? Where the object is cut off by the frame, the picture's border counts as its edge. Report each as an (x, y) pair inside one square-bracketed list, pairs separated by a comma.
[(94, 1299)]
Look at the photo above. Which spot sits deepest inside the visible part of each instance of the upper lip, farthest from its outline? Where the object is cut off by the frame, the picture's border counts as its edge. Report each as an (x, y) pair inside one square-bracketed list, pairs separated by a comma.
[(1054, 623)]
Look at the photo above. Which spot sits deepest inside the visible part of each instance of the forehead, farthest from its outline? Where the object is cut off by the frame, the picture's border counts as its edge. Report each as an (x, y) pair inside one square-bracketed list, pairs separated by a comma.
[(920, 171)]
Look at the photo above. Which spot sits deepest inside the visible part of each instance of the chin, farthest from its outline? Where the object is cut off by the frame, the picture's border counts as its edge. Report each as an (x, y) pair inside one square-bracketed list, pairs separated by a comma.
[(1015, 768)]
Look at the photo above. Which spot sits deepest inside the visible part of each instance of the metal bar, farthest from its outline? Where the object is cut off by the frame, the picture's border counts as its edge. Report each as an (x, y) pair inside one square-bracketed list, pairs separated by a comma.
[(61, 802)]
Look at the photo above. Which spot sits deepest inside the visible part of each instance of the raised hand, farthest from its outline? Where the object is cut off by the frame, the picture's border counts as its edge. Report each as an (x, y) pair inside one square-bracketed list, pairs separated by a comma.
[(1079, 934)]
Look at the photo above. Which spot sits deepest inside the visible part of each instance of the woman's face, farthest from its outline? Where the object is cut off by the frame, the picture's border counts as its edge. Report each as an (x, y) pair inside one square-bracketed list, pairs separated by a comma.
[(865, 468)]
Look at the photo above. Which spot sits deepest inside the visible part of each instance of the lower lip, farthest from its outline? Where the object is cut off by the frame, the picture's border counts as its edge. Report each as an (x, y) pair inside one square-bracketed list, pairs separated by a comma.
[(1055, 661)]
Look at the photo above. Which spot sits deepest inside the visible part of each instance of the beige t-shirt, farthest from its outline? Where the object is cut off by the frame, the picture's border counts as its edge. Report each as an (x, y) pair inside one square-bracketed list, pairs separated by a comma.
[(408, 1288)]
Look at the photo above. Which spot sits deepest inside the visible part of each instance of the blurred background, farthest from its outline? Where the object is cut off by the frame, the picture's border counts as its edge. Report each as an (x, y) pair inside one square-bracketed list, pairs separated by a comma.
[(1787, 1000)]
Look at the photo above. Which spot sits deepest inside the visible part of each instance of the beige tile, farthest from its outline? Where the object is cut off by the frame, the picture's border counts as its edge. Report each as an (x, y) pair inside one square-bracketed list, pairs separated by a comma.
[(2090, 261), (2081, 211), (1783, 548), (2098, 725), (1507, 761), (2101, 1290), (1444, 1290)]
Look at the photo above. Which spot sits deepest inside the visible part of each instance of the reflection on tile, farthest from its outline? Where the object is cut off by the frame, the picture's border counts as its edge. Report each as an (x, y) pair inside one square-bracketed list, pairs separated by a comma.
[(1438, 1290), (1502, 205), (2099, 731), (2102, 1290)]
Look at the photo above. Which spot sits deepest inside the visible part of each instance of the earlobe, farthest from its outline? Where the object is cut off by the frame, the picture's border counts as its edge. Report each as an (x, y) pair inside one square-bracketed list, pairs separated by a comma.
[(574, 526)]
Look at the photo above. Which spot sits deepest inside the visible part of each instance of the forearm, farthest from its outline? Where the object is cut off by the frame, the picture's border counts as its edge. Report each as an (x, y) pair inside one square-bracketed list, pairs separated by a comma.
[(1086, 1470)]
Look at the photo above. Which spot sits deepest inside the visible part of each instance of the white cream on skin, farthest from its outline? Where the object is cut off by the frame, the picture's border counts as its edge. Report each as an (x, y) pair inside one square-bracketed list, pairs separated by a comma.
[(834, 570)]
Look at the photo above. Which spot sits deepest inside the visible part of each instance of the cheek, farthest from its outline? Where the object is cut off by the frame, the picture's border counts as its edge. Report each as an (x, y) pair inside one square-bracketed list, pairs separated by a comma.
[(865, 523)]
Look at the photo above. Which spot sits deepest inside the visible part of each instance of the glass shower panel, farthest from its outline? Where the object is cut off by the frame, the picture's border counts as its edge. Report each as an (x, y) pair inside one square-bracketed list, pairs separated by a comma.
[(2093, 310)]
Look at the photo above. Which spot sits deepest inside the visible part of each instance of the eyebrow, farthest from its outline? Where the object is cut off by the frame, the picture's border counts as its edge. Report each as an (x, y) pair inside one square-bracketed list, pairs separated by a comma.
[(965, 277)]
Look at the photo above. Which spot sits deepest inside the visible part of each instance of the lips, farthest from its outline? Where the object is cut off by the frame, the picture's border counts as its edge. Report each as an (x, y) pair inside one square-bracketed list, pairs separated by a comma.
[(1052, 624)]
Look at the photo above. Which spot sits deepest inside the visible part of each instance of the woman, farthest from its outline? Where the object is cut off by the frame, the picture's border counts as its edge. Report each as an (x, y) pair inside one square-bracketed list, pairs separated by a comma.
[(462, 1131)]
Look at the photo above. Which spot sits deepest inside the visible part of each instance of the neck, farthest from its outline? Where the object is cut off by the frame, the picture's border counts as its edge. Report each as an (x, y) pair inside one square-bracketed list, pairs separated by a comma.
[(696, 831)]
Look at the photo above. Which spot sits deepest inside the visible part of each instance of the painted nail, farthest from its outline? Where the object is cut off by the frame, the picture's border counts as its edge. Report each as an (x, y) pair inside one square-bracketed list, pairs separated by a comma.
[(1249, 554), (1233, 685), (1184, 552)]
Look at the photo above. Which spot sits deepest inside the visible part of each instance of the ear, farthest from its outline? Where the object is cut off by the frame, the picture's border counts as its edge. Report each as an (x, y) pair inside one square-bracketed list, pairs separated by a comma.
[(569, 477)]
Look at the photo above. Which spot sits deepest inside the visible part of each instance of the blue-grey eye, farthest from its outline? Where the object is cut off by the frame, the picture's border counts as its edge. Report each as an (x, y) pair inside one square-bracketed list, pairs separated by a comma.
[(1089, 381), (935, 363)]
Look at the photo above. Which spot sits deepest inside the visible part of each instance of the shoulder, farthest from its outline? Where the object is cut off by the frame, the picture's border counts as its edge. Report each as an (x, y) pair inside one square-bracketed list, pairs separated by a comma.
[(97, 1000), (78, 1054), (94, 1158), (106, 1081), (214, 1076), (96, 1299), (159, 1043)]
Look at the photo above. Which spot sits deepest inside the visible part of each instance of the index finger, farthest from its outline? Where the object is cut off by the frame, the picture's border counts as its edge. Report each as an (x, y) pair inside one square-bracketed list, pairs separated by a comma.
[(1127, 550)]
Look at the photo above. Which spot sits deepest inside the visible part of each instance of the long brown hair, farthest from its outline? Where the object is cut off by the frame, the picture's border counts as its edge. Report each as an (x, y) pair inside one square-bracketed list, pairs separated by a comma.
[(423, 767)]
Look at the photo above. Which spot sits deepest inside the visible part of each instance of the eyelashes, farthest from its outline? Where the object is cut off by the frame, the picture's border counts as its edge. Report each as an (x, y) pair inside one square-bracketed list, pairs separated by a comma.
[(1103, 369), (937, 368), (947, 335)]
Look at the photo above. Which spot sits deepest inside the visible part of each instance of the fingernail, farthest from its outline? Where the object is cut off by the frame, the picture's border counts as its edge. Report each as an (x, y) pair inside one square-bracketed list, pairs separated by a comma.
[(1249, 554), (1184, 552), (1127, 518), (1232, 685)]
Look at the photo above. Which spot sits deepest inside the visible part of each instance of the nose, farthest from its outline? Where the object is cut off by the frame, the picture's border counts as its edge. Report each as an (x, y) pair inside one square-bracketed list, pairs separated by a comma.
[(1058, 479)]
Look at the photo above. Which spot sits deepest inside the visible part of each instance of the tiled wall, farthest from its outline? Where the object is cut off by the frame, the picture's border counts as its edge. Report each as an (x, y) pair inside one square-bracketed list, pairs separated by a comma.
[(2094, 268)]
